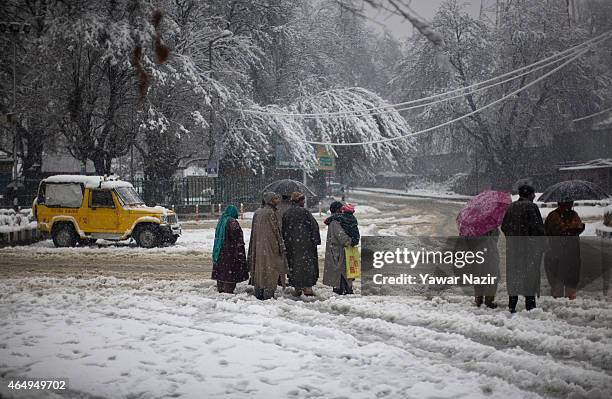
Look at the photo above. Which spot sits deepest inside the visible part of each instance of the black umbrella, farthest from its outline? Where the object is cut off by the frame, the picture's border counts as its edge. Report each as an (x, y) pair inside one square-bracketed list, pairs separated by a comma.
[(572, 190), (287, 186)]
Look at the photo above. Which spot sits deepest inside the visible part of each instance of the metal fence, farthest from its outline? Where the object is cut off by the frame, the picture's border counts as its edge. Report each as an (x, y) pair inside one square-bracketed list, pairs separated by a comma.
[(177, 192), (201, 190)]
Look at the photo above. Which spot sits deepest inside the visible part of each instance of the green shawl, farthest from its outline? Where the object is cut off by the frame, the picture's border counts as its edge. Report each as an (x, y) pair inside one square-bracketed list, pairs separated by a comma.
[(231, 212)]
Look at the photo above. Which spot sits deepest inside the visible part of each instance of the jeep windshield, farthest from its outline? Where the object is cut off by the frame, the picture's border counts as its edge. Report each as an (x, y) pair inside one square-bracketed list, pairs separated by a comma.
[(128, 196)]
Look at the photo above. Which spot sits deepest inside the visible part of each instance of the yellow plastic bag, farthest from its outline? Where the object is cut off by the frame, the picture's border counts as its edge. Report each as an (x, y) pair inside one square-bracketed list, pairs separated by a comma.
[(353, 262)]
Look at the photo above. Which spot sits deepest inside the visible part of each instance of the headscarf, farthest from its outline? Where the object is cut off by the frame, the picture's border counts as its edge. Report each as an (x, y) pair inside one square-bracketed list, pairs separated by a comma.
[(347, 220), (347, 208), (231, 212)]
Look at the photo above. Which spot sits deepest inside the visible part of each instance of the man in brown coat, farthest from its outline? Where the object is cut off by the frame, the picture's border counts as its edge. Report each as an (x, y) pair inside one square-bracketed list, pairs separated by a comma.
[(267, 250)]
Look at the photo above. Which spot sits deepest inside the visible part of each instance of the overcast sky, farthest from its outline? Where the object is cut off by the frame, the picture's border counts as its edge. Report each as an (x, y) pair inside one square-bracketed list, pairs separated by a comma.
[(401, 28)]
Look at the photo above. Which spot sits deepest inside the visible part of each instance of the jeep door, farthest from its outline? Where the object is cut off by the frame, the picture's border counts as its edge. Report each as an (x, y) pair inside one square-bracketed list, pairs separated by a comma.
[(102, 212)]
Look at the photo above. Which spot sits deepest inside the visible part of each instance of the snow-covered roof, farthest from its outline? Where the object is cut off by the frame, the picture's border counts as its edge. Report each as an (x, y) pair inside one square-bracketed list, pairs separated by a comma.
[(89, 181), (594, 164)]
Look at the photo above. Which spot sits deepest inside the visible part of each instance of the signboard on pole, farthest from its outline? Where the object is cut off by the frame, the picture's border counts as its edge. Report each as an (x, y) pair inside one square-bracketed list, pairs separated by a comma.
[(212, 168), (283, 158), (325, 159)]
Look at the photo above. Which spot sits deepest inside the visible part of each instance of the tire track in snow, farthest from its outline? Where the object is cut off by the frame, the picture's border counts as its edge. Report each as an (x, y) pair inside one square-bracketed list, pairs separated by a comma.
[(199, 309), (536, 372), (534, 332), (368, 323)]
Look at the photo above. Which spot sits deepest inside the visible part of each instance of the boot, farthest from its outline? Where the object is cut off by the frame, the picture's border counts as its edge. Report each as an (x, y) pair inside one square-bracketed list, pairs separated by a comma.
[(229, 288), (478, 301), (490, 302), (530, 302), (512, 301), (346, 286)]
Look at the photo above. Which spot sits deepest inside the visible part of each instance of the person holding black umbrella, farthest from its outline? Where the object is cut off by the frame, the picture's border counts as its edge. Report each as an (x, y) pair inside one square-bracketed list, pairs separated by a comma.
[(562, 260), (563, 226), (522, 223), (301, 236)]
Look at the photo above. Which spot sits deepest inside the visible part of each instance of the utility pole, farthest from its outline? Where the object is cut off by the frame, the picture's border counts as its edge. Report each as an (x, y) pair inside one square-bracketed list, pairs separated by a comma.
[(13, 112)]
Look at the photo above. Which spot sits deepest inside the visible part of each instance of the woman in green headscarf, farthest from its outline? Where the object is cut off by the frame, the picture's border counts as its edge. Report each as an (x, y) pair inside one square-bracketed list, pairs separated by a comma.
[(229, 259)]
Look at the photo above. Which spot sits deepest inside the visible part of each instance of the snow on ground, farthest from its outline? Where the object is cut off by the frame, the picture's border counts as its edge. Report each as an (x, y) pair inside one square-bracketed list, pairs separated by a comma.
[(413, 192), (152, 339), (192, 242), (365, 210)]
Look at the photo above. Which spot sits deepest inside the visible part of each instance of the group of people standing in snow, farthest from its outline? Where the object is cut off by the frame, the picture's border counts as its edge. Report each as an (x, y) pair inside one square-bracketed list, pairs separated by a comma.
[(528, 239), (283, 246), (285, 236)]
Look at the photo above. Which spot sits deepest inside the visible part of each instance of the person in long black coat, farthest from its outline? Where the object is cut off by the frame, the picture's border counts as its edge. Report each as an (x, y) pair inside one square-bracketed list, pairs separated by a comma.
[(301, 236), (522, 226)]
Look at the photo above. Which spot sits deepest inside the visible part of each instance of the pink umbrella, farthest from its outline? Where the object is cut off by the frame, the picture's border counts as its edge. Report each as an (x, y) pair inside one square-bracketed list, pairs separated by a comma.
[(483, 213)]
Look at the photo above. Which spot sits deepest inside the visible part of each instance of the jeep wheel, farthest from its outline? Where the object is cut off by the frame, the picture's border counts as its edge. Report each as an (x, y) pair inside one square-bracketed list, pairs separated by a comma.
[(147, 237), (64, 235)]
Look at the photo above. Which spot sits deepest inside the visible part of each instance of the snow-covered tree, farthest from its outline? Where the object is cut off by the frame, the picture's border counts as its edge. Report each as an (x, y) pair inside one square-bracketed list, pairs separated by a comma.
[(344, 116), (95, 51), (502, 136)]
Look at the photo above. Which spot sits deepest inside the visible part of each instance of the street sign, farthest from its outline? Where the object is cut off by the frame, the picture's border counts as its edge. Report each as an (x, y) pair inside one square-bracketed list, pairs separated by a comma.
[(325, 159), (212, 168), (284, 159)]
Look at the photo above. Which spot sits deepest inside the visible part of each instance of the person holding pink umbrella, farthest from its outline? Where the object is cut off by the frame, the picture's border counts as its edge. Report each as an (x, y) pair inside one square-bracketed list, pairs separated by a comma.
[(478, 223)]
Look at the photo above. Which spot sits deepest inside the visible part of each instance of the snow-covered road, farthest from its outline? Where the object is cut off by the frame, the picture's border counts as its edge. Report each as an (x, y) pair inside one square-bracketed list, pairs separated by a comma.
[(118, 338)]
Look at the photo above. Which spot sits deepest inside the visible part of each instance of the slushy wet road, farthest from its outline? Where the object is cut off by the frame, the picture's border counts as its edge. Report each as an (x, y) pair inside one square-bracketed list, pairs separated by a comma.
[(191, 257)]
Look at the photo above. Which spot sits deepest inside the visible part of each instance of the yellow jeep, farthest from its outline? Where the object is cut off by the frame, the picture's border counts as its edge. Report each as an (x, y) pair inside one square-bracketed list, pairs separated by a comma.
[(76, 209)]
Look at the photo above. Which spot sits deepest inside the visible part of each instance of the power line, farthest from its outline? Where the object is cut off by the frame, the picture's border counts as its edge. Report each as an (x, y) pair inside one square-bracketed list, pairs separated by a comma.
[(556, 57), (471, 92), (593, 115), (499, 100), (381, 111)]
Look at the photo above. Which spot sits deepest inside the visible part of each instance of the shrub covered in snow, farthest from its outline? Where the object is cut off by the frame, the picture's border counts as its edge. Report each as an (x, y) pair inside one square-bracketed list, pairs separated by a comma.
[(15, 221)]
